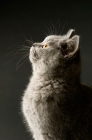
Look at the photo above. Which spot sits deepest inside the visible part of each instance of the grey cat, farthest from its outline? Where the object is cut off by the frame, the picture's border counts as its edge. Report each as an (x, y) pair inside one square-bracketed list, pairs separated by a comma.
[(55, 105)]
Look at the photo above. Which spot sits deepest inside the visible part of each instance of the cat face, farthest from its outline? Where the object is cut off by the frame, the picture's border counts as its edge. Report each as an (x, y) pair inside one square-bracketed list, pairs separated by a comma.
[(57, 56), (55, 48)]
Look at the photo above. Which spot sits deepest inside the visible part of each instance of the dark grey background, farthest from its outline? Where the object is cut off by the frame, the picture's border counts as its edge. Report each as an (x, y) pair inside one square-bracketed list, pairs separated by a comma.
[(18, 18)]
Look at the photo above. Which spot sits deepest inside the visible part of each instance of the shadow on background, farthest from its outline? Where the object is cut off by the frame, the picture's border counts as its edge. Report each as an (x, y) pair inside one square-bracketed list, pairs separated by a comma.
[(32, 19)]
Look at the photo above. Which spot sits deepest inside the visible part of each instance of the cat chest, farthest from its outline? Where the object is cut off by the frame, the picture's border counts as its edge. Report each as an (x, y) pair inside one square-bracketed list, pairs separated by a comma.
[(40, 103)]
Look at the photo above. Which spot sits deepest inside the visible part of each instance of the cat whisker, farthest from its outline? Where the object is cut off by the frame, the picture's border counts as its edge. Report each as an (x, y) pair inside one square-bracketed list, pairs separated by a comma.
[(24, 46), (53, 28), (16, 51), (45, 33), (63, 27), (17, 66), (58, 25), (11, 60), (48, 29), (21, 52), (29, 41), (24, 56), (10, 52)]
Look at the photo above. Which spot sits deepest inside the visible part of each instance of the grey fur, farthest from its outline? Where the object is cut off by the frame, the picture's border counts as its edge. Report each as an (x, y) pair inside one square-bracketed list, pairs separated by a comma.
[(55, 105)]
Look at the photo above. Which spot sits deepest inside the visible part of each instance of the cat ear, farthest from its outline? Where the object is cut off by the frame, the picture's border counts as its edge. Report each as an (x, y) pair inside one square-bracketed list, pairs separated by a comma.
[(70, 33), (70, 47)]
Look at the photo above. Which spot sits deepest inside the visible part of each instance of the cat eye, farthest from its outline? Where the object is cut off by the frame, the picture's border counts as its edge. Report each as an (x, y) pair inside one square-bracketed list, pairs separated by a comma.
[(45, 46)]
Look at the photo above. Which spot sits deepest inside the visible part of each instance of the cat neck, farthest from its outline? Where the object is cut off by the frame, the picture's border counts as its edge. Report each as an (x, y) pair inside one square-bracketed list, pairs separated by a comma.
[(68, 73), (47, 75)]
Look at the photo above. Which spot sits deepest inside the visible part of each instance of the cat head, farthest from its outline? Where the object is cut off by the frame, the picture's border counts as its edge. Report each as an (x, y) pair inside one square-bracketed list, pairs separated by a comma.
[(55, 52)]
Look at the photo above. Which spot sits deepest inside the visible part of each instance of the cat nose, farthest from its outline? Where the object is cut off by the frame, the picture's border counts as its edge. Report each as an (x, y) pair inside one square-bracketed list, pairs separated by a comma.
[(34, 44), (37, 45)]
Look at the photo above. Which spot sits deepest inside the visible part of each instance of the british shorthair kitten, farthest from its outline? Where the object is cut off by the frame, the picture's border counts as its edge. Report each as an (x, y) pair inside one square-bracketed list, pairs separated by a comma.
[(55, 105)]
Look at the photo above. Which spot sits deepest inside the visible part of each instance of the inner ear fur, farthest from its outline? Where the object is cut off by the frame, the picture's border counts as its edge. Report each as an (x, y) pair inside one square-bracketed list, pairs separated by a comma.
[(70, 47)]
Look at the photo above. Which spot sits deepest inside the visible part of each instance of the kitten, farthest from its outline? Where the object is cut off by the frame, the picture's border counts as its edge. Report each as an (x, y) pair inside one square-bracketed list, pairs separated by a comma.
[(55, 105)]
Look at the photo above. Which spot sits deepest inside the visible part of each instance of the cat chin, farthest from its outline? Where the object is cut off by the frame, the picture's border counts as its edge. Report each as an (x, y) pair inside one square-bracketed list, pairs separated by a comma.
[(33, 51), (32, 55)]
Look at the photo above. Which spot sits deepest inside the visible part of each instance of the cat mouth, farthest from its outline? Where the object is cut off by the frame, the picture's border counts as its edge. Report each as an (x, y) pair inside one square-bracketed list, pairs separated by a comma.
[(33, 51)]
